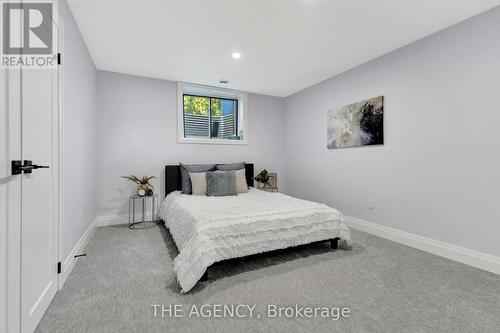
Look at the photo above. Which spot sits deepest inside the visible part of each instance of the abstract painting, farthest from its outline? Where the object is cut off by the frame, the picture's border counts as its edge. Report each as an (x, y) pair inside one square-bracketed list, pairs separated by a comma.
[(358, 124)]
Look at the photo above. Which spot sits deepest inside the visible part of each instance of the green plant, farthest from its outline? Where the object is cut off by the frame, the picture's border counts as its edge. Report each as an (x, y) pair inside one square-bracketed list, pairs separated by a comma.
[(140, 181), (262, 177)]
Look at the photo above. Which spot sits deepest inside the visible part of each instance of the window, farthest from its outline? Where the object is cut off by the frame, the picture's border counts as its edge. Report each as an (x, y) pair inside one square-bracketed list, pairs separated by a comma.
[(211, 115)]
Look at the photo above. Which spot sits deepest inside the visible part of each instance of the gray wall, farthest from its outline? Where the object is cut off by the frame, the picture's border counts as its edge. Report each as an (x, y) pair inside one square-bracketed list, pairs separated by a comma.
[(438, 174), (137, 128), (79, 134)]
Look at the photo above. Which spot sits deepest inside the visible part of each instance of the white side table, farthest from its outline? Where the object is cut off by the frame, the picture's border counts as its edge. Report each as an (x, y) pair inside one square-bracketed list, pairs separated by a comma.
[(142, 223)]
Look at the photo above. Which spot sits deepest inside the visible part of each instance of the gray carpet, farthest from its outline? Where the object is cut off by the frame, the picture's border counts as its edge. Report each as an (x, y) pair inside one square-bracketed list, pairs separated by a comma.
[(388, 287)]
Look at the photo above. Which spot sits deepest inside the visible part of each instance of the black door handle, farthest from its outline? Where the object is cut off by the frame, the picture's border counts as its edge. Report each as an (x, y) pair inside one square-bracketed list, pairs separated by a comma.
[(27, 167)]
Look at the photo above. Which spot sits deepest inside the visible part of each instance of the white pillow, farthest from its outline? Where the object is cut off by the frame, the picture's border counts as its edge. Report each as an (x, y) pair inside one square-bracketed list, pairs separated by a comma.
[(241, 181), (198, 182)]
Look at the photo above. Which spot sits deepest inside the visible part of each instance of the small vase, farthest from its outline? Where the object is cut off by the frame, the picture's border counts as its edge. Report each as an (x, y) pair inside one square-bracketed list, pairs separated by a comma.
[(261, 185), (143, 190)]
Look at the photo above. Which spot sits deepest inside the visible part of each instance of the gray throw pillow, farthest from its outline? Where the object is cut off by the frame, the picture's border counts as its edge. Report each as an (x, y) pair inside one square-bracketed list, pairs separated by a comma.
[(231, 166), (221, 183), (186, 169)]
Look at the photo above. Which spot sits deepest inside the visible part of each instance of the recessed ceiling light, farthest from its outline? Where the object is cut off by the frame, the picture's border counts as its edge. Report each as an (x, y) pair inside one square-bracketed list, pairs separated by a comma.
[(236, 55)]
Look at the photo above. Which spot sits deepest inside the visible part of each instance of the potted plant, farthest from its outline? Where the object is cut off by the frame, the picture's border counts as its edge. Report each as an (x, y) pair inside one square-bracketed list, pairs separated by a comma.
[(262, 178), (144, 187)]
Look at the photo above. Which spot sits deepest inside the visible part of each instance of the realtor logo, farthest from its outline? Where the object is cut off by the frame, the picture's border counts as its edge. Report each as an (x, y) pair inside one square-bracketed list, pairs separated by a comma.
[(28, 35)]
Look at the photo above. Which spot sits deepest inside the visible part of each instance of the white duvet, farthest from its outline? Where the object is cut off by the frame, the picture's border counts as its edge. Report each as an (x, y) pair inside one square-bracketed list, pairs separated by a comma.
[(211, 229)]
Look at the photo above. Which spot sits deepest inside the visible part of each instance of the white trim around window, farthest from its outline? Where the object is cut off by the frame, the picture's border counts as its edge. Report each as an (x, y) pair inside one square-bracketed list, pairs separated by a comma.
[(196, 89)]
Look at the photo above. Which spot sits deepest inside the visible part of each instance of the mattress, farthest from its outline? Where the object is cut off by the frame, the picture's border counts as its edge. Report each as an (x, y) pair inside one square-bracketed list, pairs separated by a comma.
[(211, 229)]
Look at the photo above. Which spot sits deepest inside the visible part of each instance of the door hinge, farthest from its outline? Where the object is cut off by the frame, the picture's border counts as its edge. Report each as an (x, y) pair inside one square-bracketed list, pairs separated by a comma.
[(59, 58), (59, 268)]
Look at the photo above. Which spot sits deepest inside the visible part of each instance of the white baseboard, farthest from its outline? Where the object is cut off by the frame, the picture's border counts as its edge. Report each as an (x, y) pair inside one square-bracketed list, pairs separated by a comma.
[(69, 263), (111, 220), (466, 256)]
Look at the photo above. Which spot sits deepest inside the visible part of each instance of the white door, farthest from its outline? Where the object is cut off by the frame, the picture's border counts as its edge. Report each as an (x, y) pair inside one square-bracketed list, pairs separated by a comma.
[(4, 180), (29, 202), (39, 204), (10, 201)]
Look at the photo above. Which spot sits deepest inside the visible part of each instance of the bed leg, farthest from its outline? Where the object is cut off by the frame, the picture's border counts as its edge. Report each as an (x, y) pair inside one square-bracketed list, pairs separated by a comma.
[(205, 276), (334, 243)]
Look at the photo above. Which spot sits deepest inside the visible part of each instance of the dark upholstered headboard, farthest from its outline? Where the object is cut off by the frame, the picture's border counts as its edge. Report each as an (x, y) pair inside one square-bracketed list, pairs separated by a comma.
[(173, 177)]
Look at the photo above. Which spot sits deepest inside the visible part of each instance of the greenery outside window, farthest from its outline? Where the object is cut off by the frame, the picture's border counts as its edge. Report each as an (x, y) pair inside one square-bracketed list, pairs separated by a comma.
[(211, 115)]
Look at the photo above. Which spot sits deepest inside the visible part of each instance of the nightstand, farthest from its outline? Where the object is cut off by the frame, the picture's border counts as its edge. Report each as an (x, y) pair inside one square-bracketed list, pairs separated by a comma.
[(132, 223), (269, 189)]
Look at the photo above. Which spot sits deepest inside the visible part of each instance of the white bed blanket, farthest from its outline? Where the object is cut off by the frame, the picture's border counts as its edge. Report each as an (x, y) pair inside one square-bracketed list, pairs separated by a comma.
[(211, 229)]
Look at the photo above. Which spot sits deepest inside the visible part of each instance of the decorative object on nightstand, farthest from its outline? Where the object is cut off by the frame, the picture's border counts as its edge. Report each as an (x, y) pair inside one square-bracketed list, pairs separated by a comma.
[(144, 187), (143, 223), (262, 178), (272, 183), (268, 181)]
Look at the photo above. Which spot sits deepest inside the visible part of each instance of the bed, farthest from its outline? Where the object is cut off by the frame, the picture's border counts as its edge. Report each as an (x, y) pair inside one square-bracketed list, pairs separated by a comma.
[(209, 230)]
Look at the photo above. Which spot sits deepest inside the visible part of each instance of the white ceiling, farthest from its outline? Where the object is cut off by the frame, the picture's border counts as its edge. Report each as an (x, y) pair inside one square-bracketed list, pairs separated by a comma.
[(285, 45)]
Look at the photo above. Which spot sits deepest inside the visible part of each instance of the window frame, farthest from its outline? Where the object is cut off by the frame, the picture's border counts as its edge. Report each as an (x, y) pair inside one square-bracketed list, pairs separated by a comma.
[(212, 92)]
